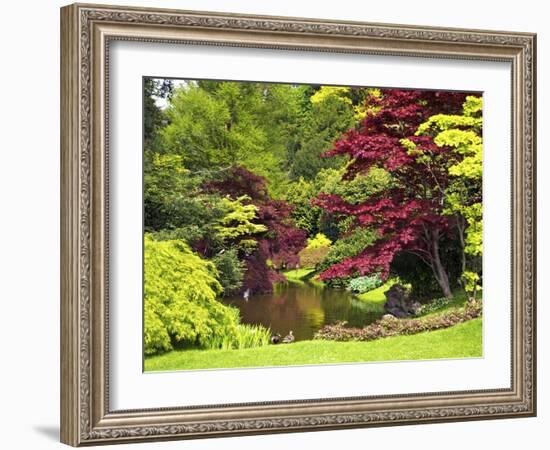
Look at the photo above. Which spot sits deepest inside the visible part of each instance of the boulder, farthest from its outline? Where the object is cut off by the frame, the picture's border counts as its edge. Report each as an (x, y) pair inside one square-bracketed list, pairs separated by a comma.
[(398, 303)]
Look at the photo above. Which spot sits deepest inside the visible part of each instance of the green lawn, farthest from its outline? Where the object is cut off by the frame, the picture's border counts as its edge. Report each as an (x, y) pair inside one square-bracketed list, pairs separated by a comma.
[(301, 276), (297, 274), (461, 341)]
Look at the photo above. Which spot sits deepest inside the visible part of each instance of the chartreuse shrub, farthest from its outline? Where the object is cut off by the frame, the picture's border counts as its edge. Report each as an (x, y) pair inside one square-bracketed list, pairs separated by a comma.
[(318, 241), (237, 222), (472, 283), (180, 302), (315, 251)]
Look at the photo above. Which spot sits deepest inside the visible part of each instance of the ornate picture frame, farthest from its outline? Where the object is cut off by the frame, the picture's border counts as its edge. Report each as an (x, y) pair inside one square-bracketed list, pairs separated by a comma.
[(87, 32)]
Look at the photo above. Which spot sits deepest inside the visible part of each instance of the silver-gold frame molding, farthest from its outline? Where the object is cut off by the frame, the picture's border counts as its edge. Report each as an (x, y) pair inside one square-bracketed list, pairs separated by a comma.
[(86, 32)]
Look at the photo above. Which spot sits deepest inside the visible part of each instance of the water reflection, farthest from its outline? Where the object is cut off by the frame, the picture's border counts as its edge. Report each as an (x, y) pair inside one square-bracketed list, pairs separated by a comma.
[(303, 308)]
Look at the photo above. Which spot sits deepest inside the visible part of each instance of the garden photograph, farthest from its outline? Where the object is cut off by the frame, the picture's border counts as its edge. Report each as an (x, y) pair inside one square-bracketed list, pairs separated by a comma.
[(296, 224)]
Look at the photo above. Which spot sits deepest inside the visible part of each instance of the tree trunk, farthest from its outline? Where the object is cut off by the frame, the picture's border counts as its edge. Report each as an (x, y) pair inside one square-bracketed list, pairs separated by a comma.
[(460, 226), (437, 267)]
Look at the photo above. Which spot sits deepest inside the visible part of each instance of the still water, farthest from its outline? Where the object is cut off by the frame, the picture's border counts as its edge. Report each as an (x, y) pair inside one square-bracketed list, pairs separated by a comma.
[(303, 308)]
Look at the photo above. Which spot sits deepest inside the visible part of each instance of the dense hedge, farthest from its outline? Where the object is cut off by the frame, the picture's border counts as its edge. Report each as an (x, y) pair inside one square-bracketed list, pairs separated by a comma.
[(394, 327)]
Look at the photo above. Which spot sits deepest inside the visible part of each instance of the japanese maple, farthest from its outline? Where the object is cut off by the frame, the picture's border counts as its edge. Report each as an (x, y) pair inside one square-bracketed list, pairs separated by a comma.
[(278, 247), (408, 214)]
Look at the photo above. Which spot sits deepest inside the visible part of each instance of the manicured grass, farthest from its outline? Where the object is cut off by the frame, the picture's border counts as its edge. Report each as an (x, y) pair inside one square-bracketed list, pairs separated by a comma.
[(301, 276), (461, 341), (297, 274)]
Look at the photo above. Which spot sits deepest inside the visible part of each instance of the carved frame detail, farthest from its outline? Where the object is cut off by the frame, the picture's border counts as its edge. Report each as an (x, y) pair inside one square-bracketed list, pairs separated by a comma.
[(87, 31)]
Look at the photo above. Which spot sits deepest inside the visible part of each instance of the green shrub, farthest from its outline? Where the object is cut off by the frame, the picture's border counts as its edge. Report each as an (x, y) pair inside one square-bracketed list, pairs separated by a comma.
[(181, 308), (230, 270), (472, 283), (180, 298), (311, 257), (348, 246), (364, 284)]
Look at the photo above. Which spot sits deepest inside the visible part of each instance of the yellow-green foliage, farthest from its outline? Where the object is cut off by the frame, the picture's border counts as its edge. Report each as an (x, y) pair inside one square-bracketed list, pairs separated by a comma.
[(310, 257), (245, 336), (471, 282), (181, 305), (473, 107), (463, 134), (180, 298), (324, 92), (319, 240), (473, 241), (315, 251), (343, 94), (362, 110), (170, 162), (237, 221)]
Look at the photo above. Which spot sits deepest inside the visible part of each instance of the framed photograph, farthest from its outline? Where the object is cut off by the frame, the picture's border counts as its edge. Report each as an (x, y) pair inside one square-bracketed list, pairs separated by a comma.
[(274, 224)]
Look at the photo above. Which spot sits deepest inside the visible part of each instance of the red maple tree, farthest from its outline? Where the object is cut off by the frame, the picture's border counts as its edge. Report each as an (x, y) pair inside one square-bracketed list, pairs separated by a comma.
[(282, 241), (408, 215)]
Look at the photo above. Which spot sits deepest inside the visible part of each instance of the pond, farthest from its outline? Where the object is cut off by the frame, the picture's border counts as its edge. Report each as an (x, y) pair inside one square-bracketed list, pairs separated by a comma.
[(303, 308)]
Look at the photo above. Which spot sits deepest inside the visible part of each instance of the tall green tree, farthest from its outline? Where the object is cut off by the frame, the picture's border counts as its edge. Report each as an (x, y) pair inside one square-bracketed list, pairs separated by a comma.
[(219, 125), (330, 114), (153, 117)]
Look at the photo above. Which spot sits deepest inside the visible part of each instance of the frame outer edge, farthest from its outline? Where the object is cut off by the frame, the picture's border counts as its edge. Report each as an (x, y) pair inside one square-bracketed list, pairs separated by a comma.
[(70, 299), (79, 227), (533, 230)]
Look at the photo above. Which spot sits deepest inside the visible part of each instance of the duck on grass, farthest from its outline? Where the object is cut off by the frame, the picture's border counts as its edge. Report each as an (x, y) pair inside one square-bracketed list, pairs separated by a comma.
[(288, 339)]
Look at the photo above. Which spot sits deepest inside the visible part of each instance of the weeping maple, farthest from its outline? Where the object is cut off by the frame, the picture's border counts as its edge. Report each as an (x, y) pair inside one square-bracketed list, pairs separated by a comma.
[(409, 214)]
